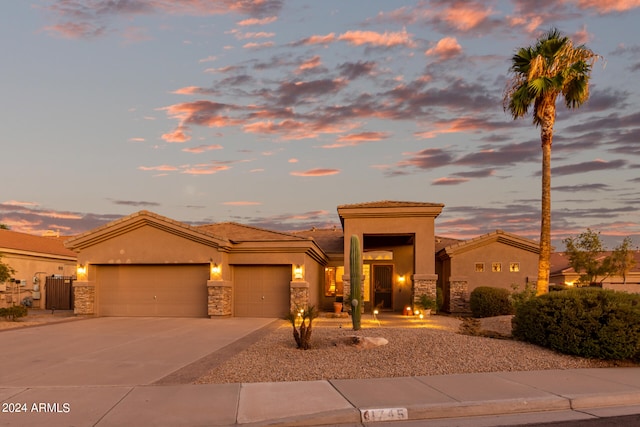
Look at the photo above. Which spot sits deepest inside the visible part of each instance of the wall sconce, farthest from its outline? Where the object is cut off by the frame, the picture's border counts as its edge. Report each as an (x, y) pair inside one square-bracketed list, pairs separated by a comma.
[(81, 269), (216, 269), (401, 281), (297, 272)]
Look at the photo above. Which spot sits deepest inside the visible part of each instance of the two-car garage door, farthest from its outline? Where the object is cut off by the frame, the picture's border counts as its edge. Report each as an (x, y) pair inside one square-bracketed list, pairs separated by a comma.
[(181, 290), (152, 290)]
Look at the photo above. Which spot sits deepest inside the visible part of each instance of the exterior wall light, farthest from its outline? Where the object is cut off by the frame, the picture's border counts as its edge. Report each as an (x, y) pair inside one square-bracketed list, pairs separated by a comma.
[(297, 272), (81, 269)]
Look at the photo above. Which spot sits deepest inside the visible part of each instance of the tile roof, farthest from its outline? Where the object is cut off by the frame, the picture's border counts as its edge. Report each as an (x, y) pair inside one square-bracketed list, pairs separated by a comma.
[(560, 262), (330, 240), (235, 232), (13, 240)]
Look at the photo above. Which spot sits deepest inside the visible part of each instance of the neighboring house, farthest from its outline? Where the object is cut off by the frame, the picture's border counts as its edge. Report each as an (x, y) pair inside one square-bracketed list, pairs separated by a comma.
[(498, 259), (563, 274), (149, 265), (34, 259)]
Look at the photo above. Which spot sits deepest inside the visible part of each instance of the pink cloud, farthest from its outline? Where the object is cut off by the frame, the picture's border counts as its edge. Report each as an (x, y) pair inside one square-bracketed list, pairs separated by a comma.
[(386, 39), (90, 18), (137, 139), (465, 17), (161, 168), (178, 135), (607, 6), (293, 160), (357, 138), (258, 21), (449, 181), (446, 48), (329, 38), (18, 203), (292, 129), (582, 36), (203, 148), (204, 169), (310, 64), (316, 172), (253, 45)]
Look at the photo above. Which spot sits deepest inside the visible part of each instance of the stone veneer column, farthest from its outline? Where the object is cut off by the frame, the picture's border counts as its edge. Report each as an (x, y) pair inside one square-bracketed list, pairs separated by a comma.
[(219, 298), (298, 295), (424, 284), (84, 298), (459, 295)]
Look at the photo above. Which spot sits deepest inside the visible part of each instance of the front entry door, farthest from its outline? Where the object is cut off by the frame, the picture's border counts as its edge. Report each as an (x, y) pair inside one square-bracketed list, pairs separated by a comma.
[(383, 287)]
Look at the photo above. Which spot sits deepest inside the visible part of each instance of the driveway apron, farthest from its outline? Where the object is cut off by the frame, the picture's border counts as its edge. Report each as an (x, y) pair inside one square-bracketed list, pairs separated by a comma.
[(113, 350)]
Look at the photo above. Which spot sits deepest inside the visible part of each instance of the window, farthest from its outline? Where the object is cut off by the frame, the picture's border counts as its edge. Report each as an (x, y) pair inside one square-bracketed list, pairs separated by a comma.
[(333, 281), (496, 267), (479, 267), (514, 267)]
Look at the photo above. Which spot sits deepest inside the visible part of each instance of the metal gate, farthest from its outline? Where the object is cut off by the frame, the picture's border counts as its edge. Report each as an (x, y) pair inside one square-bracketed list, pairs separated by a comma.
[(59, 293)]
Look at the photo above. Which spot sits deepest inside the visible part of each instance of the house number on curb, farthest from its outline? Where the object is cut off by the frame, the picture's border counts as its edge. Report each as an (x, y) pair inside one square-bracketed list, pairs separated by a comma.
[(384, 414)]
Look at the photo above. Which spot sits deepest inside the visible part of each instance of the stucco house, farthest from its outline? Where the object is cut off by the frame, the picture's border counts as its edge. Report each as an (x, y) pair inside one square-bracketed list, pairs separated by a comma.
[(498, 259), (34, 259), (563, 274), (149, 265)]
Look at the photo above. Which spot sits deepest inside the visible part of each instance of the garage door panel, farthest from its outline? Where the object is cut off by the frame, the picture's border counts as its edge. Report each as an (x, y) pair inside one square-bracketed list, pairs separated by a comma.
[(136, 290), (261, 290)]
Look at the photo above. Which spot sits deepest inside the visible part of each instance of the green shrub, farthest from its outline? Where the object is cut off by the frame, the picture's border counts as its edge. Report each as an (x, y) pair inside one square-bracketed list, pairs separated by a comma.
[(588, 322), (486, 301), (519, 297), (14, 312)]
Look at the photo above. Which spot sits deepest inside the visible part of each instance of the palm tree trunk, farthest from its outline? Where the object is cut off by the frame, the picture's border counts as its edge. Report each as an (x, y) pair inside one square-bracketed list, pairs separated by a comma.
[(546, 135)]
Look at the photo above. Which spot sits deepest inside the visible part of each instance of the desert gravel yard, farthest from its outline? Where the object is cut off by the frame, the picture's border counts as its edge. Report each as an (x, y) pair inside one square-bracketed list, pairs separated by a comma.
[(429, 347)]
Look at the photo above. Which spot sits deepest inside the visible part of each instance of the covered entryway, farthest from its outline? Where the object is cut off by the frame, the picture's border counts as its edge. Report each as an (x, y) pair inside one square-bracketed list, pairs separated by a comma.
[(152, 290), (261, 290)]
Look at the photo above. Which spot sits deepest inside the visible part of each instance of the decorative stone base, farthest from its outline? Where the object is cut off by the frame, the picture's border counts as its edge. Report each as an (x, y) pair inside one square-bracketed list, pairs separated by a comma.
[(458, 295), (298, 295), (219, 298), (84, 298), (424, 284)]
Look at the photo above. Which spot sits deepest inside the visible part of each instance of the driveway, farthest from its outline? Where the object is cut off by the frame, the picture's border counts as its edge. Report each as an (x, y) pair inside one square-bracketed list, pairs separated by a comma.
[(114, 350)]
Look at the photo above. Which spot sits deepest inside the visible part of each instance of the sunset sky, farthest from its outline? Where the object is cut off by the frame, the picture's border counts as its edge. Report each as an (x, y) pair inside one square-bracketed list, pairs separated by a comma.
[(272, 113)]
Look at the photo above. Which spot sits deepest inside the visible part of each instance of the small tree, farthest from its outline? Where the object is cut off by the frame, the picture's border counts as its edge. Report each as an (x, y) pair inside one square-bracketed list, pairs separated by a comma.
[(587, 256), (302, 331), (5, 271), (622, 259)]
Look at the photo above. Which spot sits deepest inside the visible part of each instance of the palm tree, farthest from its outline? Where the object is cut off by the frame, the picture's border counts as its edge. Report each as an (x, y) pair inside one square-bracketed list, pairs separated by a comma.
[(539, 74)]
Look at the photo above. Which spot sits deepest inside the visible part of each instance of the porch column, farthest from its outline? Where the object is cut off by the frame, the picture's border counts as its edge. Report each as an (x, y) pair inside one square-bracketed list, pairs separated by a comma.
[(458, 295), (219, 298), (298, 295), (84, 298), (424, 284)]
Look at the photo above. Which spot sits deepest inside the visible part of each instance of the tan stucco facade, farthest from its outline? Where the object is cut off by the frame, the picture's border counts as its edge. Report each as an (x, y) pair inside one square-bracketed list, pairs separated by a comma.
[(33, 258), (498, 259)]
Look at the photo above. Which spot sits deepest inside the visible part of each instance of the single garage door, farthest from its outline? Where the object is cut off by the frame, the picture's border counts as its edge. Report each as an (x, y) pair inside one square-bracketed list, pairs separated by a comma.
[(261, 290), (152, 290)]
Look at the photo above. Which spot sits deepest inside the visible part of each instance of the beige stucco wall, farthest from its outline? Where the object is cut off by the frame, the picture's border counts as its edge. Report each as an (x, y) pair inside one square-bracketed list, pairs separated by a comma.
[(421, 227), (463, 265), (148, 245), (26, 267)]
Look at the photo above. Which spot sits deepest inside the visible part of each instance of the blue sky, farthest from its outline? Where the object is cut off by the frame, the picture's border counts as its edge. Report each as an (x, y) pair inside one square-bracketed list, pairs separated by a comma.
[(272, 113)]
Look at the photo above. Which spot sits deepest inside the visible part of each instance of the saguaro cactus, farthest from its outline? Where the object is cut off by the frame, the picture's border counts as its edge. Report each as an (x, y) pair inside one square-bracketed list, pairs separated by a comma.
[(355, 268)]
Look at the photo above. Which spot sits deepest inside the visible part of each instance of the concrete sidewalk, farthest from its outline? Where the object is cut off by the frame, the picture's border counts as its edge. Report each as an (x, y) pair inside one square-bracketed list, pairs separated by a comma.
[(486, 399)]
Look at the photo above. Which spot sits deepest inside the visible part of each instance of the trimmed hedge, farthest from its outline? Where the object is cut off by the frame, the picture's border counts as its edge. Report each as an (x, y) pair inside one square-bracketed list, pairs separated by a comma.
[(486, 301), (14, 312), (587, 322)]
